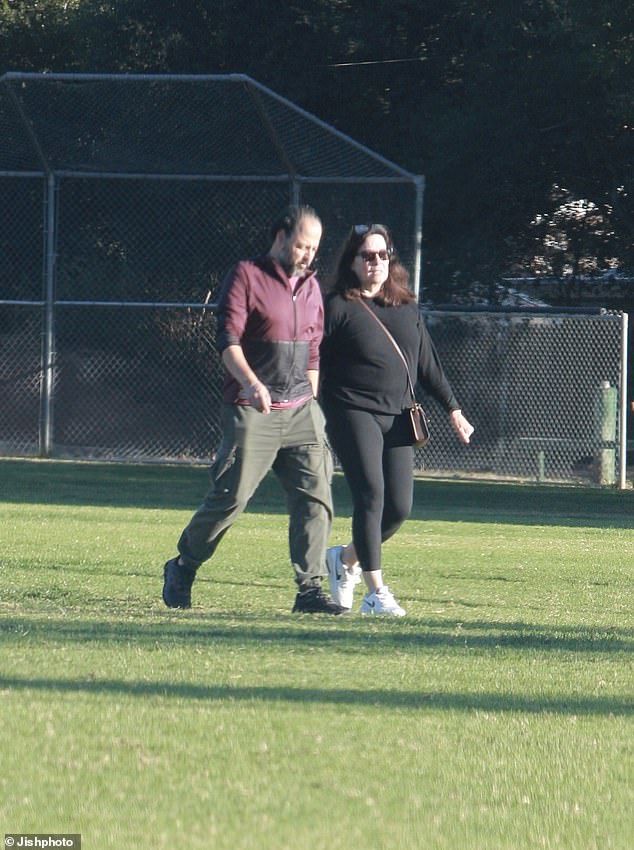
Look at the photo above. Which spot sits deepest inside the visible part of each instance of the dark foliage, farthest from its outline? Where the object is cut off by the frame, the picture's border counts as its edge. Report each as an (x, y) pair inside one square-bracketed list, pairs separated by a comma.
[(521, 115)]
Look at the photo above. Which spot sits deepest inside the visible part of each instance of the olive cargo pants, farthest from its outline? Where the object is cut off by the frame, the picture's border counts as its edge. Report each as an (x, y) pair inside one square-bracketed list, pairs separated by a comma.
[(291, 442)]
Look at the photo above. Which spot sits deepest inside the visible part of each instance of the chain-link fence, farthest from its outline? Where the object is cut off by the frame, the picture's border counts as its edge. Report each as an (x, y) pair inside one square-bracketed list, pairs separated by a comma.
[(145, 383), (143, 190), (147, 188), (123, 201), (545, 391)]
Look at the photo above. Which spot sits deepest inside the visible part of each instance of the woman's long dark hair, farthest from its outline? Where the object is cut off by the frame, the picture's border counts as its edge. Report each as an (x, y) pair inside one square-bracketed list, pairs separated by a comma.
[(394, 291)]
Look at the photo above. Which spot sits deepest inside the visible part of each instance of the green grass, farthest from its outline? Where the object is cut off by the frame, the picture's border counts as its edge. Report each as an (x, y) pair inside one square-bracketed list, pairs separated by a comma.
[(497, 716)]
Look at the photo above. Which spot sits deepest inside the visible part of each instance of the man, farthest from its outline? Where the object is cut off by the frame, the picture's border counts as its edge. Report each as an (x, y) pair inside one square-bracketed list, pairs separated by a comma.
[(270, 324)]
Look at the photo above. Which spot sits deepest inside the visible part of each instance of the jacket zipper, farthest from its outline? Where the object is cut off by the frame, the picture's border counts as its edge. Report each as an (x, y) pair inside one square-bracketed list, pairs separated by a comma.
[(292, 367)]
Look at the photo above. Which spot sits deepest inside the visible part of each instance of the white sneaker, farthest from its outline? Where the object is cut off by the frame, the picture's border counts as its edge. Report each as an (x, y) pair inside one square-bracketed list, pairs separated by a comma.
[(382, 602), (342, 579)]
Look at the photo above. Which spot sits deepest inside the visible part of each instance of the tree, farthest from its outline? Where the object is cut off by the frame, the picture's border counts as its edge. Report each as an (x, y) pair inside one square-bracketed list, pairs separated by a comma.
[(503, 106)]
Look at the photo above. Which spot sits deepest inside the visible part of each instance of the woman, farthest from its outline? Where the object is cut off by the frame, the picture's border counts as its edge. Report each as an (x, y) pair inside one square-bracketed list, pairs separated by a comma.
[(365, 396)]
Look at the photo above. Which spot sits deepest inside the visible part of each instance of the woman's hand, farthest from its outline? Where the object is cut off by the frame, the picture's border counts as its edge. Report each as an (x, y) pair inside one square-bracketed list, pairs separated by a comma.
[(463, 428)]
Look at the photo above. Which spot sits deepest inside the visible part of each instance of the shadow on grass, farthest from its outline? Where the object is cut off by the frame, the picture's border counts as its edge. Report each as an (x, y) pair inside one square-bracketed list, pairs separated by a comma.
[(349, 636), (432, 700), (183, 488)]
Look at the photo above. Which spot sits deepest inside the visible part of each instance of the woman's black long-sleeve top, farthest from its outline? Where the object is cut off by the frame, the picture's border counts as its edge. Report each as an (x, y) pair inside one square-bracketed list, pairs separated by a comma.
[(359, 366)]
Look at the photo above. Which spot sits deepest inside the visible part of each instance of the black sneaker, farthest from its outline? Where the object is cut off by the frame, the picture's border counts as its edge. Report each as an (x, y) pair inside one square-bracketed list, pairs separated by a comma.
[(177, 584), (315, 601)]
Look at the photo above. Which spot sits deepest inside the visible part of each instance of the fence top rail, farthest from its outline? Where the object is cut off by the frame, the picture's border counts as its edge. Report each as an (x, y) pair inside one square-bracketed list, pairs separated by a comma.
[(211, 178), (81, 77), (162, 305), (497, 310), (21, 174), (260, 96), (435, 311), (14, 302)]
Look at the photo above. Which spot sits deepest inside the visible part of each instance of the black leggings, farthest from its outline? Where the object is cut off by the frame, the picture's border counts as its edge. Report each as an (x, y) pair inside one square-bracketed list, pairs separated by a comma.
[(377, 460)]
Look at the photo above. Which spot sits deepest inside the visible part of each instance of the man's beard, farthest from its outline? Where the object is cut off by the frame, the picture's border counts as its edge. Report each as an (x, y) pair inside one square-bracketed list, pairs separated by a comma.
[(292, 269)]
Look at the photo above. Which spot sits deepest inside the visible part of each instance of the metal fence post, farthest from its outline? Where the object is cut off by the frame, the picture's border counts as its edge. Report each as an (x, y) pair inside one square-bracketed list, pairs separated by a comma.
[(48, 333), (607, 420), (418, 238), (623, 406)]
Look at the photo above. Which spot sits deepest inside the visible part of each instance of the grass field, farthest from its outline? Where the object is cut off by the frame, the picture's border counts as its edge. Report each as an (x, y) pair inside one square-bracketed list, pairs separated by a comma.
[(498, 715)]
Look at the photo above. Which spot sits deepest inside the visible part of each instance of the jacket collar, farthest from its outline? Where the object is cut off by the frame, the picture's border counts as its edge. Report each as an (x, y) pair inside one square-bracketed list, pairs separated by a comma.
[(272, 266)]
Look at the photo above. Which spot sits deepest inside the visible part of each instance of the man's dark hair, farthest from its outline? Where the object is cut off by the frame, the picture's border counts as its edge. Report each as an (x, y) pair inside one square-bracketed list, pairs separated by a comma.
[(288, 219)]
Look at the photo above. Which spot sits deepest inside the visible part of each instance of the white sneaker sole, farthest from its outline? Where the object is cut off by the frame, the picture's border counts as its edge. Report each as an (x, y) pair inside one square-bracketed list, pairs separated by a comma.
[(333, 562), (372, 610), (341, 592)]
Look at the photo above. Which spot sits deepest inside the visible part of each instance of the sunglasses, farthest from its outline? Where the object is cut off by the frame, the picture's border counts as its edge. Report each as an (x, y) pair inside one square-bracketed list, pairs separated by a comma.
[(371, 256), (362, 229)]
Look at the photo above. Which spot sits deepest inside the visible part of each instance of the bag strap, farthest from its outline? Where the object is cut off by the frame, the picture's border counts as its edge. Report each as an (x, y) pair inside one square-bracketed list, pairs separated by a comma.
[(395, 344)]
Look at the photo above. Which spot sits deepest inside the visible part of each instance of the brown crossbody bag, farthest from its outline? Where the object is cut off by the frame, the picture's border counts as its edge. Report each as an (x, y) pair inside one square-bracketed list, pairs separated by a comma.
[(417, 416)]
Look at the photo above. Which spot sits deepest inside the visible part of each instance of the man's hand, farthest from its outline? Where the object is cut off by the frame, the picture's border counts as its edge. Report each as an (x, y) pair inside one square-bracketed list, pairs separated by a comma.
[(253, 389), (259, 397)]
